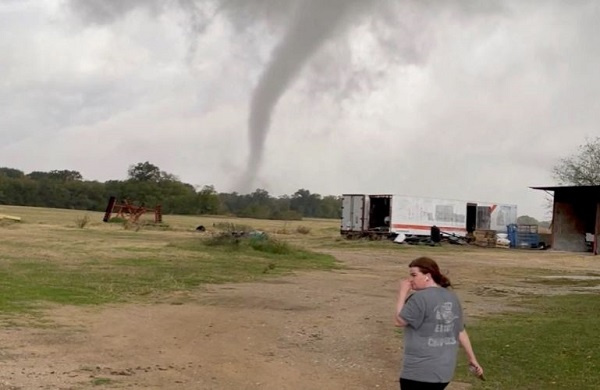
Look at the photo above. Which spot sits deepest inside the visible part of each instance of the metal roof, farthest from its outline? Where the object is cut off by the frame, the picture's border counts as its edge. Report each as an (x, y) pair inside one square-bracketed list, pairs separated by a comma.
[(554, 188)]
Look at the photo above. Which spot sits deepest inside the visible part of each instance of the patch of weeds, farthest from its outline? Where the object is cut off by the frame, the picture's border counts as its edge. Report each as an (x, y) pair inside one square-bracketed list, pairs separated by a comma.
[(259, 242), (268, 245), (284, 229), (256, 251), (303, 229), (129, 225), (225, 240), (101, 381), (82, 222), (269, 267)]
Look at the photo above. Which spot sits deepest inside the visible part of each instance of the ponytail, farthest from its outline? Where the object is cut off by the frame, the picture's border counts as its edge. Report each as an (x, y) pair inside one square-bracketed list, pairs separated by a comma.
[(443, 281), (428, 266)]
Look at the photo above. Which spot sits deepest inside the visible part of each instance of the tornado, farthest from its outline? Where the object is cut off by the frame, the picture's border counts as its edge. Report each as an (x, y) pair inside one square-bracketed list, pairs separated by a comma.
[(313, 22)]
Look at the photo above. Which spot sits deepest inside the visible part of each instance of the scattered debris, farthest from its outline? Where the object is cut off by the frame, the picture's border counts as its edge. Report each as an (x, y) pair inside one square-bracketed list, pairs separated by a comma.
[(455, 239), (502, 240), (400, 238)]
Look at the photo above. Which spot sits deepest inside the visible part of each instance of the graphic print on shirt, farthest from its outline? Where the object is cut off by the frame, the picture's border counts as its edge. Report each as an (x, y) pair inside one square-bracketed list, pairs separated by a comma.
[(445, 324)]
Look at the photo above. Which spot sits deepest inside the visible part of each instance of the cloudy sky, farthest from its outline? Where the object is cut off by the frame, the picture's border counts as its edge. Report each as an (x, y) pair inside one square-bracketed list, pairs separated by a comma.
[(457, 101)]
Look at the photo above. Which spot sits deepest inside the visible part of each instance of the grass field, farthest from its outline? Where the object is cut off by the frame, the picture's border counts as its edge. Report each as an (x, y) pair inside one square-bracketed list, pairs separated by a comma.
[(552, 345), (47, 259)]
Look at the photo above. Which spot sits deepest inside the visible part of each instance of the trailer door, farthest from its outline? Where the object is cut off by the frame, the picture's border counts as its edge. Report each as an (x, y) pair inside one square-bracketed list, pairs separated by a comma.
[(484, 217), (353, 207)]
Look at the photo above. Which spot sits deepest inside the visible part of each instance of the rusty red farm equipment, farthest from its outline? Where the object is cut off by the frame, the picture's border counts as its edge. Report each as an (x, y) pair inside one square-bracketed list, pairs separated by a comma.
[(129, 211)]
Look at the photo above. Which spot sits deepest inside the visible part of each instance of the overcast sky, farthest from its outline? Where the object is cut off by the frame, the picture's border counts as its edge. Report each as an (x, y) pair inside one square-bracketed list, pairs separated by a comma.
[(456, 101)]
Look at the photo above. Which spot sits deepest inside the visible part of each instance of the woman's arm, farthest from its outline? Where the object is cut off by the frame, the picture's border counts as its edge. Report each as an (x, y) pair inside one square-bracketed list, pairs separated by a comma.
[(403, 291), (465, 342)]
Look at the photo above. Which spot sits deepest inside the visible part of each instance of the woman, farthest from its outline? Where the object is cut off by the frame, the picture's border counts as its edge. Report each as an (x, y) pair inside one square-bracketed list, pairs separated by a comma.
[(433, 327)]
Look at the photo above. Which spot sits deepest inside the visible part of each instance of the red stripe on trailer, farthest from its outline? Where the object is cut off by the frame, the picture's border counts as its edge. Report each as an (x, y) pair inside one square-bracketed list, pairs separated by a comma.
[(427, 227)]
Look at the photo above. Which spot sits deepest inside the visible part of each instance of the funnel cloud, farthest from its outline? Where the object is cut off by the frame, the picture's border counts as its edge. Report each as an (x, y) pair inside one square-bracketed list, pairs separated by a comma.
[(399, 30), (313, 23)]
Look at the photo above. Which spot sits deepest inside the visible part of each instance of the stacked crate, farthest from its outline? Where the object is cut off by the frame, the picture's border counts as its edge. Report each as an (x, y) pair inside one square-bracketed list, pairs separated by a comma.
[(485, 238)]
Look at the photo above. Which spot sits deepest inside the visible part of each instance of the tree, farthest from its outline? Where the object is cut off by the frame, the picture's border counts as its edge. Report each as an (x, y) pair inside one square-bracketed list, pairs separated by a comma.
[(208, 200), (65, 175), (581, 168), (260, 197), (331, 207), (305, 203), (149, 172), (144, 172), (527, 220), (38, 175), (11, 173)]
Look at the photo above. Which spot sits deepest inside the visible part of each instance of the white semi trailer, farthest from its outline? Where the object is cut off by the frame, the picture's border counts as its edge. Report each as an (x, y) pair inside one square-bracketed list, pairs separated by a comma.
[(414, 216)]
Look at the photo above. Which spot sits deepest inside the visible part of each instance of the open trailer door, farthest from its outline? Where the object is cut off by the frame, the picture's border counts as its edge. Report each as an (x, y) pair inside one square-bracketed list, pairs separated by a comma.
[(484, 218), (353, 213)]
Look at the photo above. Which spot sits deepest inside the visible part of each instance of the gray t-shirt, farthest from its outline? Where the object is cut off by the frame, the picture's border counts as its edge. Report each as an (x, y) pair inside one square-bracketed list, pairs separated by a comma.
[(434, 317)]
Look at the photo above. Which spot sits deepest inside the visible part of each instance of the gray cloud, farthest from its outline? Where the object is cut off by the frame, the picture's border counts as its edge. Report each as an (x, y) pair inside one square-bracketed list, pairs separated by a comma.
[(399, 28), (106, 12)]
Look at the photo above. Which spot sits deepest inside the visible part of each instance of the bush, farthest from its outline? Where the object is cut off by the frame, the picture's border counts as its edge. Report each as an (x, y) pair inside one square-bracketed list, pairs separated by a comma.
[(284, 229), (303, 229), (81, 222), (224, 239), (256, 240), (267, 245)]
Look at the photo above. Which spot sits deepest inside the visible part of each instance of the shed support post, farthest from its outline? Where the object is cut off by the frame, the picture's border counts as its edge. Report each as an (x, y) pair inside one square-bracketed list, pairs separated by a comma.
[(597, 232)]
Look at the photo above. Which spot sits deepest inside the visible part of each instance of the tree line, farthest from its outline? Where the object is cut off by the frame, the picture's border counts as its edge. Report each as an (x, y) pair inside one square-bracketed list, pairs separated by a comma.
[(147, 185)]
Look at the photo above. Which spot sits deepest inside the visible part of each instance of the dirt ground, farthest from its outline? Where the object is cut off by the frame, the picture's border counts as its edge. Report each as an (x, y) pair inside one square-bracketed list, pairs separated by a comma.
[(313, 330)]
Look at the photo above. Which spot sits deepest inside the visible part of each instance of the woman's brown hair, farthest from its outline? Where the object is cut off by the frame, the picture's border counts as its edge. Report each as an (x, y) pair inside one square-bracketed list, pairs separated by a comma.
[(428, 266)]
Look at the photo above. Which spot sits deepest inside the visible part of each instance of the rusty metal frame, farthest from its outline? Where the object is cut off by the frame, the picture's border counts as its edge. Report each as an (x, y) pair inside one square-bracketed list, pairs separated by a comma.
[(129, 211)]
